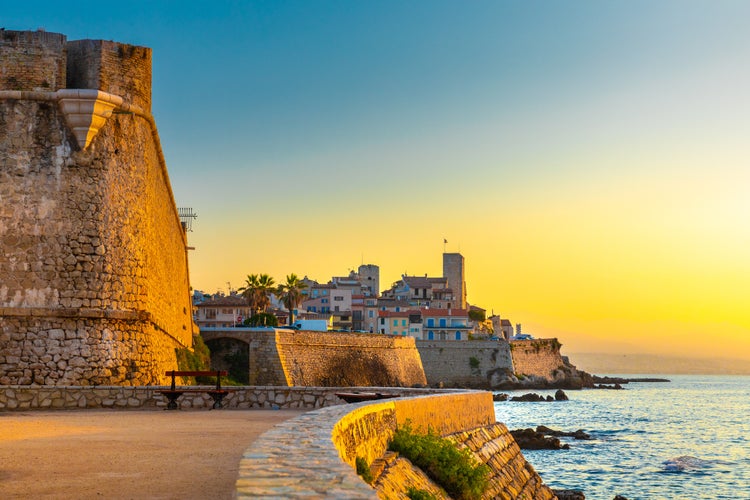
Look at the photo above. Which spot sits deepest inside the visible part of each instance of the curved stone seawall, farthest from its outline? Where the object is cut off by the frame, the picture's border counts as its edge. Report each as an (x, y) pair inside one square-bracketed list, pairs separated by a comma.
[(314, 455)]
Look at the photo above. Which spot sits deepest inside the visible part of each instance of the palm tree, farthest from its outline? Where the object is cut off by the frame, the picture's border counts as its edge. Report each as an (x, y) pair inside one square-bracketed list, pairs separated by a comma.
[(248, 291), (257, 290), (263, 292), (290, 294)]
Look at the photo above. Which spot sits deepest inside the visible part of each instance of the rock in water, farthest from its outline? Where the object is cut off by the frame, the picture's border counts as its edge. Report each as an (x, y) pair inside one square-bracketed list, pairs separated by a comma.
[(560, 395), (569, 494), (530, 397), (579, 434), (529, 439)]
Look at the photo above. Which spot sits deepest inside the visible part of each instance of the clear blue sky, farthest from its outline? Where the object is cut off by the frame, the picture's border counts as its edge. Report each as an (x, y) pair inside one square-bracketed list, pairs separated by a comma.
[(590, 159)]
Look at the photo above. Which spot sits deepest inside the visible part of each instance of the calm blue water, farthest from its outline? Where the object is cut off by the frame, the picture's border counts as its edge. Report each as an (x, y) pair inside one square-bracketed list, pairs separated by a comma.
[(687, 439)]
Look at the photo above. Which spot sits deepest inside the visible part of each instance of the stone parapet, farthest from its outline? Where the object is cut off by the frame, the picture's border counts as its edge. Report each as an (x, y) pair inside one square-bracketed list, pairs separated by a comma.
[(36, 397)]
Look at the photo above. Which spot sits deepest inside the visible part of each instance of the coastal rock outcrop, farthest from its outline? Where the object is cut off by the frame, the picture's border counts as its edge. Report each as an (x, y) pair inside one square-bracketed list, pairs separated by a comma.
[(579, 434), (529, 439), (569, 494), (531, 397)]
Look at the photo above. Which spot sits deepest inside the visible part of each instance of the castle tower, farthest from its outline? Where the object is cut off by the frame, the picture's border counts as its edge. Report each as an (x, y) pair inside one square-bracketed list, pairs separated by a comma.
[(32, 60), (453, 271), (94, 285), (369, 276)]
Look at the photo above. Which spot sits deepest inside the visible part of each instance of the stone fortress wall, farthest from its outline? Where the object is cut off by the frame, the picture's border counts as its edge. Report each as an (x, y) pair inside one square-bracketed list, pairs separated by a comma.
[(305, 358), (538, 357), (93, 267), (296, 358), (464, 364)]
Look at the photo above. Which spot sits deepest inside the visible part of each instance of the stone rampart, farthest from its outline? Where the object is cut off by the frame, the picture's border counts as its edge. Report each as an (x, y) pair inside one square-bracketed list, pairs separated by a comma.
[(538, 357), (349, 359), (93, 265), (300, 358), (315, 454), (473, 364)]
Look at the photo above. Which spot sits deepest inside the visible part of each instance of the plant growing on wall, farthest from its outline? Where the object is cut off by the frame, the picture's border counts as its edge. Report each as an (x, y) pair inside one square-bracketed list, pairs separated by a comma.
[(476, 315), (195, 359), (455, 470), (363, 469), (416, 494)]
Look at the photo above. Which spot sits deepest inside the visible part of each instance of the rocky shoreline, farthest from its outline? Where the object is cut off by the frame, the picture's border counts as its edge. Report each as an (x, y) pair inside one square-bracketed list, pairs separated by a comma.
[(571, 378)]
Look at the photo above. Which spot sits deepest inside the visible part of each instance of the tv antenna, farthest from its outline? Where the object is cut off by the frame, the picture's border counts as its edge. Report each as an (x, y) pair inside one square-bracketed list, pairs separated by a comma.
[(186, 218)]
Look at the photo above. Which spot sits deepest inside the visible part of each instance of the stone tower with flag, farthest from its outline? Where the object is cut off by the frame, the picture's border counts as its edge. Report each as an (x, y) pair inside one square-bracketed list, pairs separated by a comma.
[(453, 271)]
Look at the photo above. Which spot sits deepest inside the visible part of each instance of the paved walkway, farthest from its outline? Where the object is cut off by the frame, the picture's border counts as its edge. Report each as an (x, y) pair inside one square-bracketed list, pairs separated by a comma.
[(155, 454)]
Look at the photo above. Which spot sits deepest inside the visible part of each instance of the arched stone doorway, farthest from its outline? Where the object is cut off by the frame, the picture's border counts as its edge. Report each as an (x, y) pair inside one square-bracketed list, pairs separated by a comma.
[(231, 355)]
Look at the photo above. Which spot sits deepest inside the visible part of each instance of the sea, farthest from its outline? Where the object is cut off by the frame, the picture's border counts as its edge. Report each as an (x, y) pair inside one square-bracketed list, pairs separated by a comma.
[(684, 439)]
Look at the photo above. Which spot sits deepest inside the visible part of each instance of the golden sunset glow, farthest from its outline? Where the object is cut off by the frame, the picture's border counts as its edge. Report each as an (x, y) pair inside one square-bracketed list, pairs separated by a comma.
[(589, 160)]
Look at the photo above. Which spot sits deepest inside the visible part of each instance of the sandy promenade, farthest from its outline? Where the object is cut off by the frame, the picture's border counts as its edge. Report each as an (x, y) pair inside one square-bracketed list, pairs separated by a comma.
[(186, 454)]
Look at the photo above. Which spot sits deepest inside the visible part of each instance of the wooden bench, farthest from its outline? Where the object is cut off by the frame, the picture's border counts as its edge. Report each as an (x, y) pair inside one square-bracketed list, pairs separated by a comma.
[(217, 393), (356, 397)]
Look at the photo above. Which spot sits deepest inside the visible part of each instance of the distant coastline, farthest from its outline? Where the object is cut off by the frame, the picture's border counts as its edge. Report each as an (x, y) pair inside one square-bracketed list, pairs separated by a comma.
[(650, 364)]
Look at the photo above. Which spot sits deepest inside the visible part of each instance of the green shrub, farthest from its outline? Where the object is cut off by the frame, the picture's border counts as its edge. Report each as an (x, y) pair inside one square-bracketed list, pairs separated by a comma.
[(199, 359), (261, 319), (363, 469), (473, 362), (415, 494), (195, 359), (456, 470)]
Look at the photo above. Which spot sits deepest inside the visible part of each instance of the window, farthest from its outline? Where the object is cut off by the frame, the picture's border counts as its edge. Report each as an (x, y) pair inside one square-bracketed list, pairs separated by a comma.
[(382, 321), (324, 301), (430, 335), (430, 321), (338, 298), (395, 322), (336, 308), (370, 314), (210, 313), (458, 335), (403, 322), (442, 322)]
